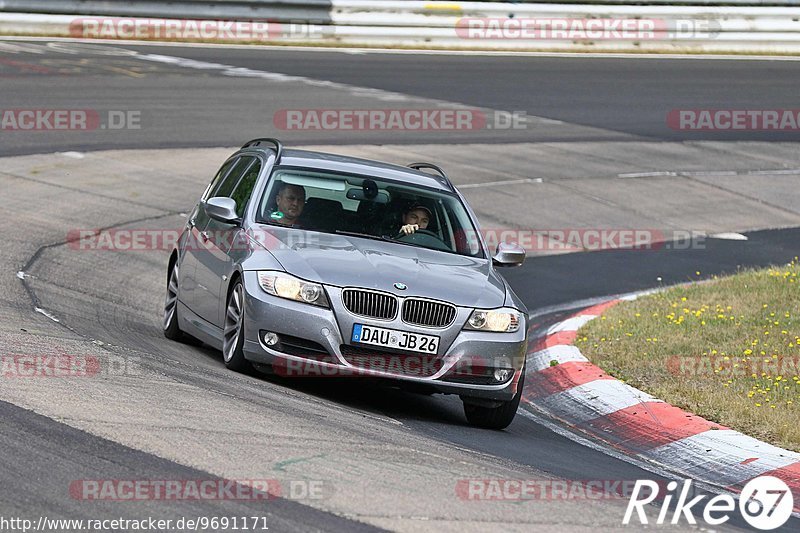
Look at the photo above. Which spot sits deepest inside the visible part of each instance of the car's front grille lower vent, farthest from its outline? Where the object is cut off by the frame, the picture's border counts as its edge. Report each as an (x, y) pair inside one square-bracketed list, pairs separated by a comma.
[(370, 303), (411, 364), (428, 313)]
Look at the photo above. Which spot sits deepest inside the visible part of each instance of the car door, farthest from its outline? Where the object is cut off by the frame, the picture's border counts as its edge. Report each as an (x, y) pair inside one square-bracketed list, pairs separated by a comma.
[(218, 238), (194, 226)]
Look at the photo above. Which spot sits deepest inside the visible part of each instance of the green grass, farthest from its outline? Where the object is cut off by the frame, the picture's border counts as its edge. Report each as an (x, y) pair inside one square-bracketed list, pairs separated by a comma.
[(727, 350)]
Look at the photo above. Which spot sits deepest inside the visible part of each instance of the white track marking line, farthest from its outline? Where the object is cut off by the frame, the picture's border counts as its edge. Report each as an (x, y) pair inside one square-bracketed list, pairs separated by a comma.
[(21, 48), (728, 236), (787, 172), (647, 174), (722, 452), (590, 302), (353, 90), (710, 173), (561, 353), (242, 72), (571, 324), (45, 313), (655, 468), (357, 50), (592, 400), (506, 182)]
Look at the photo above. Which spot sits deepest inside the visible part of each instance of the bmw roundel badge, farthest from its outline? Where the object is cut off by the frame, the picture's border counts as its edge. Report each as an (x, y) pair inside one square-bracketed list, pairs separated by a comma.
[(400, 286)]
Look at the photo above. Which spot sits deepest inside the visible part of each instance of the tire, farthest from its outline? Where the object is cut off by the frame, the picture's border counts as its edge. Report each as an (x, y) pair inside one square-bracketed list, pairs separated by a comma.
[(172, 330), (233, 332), (499, 417)]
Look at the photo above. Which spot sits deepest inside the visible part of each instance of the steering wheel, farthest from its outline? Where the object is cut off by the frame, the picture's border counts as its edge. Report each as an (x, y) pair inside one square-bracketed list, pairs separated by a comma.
[(400, 234), (425, 238)]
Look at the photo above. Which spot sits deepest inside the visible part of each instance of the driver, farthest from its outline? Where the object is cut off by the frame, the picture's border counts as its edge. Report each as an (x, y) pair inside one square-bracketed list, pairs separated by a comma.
[(416, 217), (290, 201)]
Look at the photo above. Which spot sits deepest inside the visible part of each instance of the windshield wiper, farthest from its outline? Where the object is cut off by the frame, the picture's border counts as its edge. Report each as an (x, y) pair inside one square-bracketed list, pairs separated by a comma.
[(395, 241), (364, 235)]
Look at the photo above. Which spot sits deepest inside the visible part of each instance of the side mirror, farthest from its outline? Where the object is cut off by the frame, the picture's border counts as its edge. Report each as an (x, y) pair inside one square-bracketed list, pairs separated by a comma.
[(222, 209), (509, 254)]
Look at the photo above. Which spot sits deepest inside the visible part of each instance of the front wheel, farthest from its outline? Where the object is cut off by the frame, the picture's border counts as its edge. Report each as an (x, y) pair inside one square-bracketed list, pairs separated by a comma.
[(499, 417), (233, 333), (170, 322)]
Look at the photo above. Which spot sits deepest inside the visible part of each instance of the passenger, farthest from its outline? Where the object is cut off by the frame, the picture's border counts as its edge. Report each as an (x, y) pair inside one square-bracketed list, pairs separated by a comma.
[(416, 217), (291, 199)]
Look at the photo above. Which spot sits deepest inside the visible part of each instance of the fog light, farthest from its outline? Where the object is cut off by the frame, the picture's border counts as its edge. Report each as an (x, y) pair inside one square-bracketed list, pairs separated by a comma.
[(502, 374), (270, 338)]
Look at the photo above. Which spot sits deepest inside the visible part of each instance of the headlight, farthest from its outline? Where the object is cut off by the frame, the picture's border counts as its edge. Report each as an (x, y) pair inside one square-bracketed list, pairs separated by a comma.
[(499, 320), (285, 286)]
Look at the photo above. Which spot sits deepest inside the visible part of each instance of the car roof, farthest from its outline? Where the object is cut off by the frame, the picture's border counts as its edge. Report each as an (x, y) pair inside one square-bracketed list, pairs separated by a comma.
[(356, 165)]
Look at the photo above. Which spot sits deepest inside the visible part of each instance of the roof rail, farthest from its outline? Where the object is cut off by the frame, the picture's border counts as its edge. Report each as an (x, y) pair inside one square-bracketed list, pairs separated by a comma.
[(275, 142), (445, 180)]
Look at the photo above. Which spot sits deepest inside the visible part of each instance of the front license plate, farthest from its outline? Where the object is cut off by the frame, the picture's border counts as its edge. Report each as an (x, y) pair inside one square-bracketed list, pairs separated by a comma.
[(392, 338)]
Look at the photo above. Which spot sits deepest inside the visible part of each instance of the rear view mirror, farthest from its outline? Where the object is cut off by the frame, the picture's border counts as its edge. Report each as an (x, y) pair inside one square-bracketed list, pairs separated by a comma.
[(382, 197), (509, 254)]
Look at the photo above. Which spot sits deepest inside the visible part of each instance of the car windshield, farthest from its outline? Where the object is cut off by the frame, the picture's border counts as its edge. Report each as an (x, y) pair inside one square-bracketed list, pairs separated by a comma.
[(370, 208)]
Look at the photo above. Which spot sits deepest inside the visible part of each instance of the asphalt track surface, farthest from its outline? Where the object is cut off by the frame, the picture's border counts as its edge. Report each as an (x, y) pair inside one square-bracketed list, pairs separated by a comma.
[(54, 452), (599, 98), (629, 97)]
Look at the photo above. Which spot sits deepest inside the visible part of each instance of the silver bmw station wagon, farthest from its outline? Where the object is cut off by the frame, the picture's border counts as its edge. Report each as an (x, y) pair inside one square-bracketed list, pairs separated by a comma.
[(310, 264)]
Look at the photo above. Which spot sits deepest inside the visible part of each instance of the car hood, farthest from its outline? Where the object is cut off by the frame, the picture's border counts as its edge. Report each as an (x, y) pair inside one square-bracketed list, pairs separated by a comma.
[(346, 261)]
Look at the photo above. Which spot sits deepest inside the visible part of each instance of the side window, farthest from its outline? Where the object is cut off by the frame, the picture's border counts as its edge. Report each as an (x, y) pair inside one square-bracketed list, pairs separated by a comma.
[(227, 186), (218, 178), (245, 187)]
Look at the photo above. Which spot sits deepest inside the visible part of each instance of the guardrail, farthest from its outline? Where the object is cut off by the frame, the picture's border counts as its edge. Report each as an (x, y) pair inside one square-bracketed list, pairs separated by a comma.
[(279, 10), (322, 11), (318, 10), (481, 25)]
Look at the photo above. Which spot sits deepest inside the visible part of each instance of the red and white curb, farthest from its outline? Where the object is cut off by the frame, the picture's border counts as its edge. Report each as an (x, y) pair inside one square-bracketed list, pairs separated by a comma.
[(562, 384)]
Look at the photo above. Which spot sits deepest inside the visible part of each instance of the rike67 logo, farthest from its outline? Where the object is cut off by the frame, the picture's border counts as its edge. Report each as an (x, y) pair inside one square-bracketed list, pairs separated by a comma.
[(765, 503)]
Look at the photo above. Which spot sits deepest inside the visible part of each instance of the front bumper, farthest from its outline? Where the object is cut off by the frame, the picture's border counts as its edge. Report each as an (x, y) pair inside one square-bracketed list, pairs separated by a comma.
[(464, 365)]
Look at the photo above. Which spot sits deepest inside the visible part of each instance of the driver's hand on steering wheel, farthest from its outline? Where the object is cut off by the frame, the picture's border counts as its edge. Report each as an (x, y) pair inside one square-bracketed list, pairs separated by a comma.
[(408, 229)]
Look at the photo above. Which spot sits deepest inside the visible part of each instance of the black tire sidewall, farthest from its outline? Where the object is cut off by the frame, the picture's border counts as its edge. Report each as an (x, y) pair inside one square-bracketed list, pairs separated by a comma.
[(237, 361), (173, 330)]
